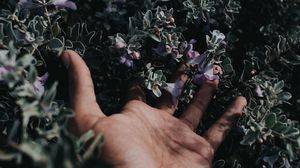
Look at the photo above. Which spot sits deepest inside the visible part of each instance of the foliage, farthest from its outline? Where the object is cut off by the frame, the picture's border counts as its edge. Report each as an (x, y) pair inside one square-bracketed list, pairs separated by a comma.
[(122, 40)]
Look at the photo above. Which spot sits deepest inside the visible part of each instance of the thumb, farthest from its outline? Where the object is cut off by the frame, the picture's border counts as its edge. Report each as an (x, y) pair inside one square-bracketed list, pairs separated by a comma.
[(81, 92)]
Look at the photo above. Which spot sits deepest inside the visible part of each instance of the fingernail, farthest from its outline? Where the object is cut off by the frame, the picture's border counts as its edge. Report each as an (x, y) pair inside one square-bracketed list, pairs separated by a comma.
[(66, 60)]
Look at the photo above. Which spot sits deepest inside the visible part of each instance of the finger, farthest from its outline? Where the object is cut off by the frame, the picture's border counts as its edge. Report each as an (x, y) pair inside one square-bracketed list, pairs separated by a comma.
[(169, 100), (217, 133), (81, 92), (197, 107), (135, 92)]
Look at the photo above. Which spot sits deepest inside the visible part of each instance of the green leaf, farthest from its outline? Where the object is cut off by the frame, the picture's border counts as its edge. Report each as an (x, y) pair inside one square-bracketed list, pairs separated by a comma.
[(284, 96), (32, 74), (94, 147), (156, 91), (278, 86), (35, 152), (25, 61), (56, 29), (1, 31), (147, 19), (280, 127), (249, 138), (84, 139), (5, 156), (11, 33), (79, 47), (155, 37), (292, 132), (50, 95), (75, 31), (281, 46), (290, 151), (270, 120), (228, 68), (56, 45)]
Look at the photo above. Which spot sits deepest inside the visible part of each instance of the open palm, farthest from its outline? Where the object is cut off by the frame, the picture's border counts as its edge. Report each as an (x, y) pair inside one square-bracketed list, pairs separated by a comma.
[(142, 136)]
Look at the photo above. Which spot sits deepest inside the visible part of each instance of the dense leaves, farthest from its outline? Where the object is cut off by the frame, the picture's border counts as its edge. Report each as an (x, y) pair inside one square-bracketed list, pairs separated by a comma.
[(255, 42)]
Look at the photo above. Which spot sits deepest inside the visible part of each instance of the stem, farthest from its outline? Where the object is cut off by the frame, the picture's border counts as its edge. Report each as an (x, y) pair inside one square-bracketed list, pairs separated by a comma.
[(48, 18)]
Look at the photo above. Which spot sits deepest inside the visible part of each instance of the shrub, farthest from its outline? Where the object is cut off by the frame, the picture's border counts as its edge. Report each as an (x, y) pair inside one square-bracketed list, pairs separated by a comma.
[(256, 43)]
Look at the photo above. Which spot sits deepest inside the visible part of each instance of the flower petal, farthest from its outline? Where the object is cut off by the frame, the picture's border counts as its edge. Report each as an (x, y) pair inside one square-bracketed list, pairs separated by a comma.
[(175, 89), (65, 4)]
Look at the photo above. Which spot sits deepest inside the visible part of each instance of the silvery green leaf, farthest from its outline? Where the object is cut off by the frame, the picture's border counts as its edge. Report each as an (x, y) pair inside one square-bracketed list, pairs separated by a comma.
[(56, 45), (281, 46), (75, 31), (79, 47), (6, 156), (50, 95), (69, 44), (11, 33), (56, 29), (12, 56), (270, 120), (147, 19), (156, 91), (284, 96), (233, 6), (1, 31), (3, 57), (94, 147), (35, 152), (228, 68), (278, 86), (249, 138), (292, 132), (290, 151), (155, 37), (32, 74), (25, 61), (25, 90), (280, 127), (40, 25), (84, 139)]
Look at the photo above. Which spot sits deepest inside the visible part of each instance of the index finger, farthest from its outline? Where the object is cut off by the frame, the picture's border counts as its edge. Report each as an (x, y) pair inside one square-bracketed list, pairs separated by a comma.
[(216, 134)]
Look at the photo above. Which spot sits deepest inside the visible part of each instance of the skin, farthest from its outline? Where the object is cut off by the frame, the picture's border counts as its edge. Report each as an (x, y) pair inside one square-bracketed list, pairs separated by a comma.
[(143, 136)]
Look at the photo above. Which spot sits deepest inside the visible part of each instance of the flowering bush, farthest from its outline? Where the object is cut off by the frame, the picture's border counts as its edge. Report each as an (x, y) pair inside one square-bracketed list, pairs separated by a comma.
[(252, 47)]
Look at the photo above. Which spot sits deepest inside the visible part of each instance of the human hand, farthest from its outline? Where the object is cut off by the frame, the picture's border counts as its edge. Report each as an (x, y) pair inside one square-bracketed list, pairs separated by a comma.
[(143, 136)]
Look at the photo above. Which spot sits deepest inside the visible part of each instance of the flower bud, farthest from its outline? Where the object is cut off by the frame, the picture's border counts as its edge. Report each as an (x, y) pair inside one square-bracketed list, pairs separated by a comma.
[(171, 19), (135, 55), (120, 45)]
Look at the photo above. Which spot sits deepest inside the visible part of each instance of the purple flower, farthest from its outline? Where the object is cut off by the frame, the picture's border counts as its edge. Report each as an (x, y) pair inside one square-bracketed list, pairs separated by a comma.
[(119, 42), (175, 89), (127, 60), (199, 60), (26, 4), (39, 84), (120, 45), (190, 52), (135, 55), (65, 4), (206, 74)]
